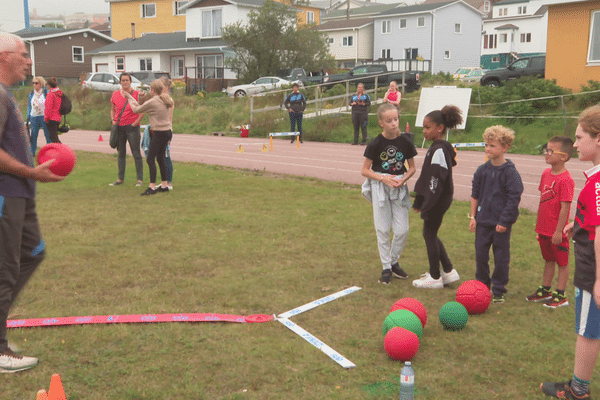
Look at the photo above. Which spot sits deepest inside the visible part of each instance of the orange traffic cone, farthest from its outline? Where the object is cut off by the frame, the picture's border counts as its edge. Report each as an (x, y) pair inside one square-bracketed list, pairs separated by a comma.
[(41, 395), (100, 138), (56, 391)]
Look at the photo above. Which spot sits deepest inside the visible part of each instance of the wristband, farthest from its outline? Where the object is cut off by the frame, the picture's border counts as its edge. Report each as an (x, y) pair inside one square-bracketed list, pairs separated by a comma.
[(470, 216)]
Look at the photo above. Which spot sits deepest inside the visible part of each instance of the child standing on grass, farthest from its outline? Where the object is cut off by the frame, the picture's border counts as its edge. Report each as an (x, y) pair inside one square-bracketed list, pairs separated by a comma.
[(386, 188), (434, 190), (495, 198), (557, 188), (586, 238)]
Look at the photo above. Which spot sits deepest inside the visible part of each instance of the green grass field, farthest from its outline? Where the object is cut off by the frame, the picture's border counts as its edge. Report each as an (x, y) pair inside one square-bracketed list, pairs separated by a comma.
[(246, 242)]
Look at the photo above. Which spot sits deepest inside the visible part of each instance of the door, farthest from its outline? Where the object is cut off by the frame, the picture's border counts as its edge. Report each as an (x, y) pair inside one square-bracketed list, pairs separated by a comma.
[(178, 67)]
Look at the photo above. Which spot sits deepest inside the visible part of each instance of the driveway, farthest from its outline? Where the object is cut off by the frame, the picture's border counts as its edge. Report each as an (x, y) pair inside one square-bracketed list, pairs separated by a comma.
[(327, 161)]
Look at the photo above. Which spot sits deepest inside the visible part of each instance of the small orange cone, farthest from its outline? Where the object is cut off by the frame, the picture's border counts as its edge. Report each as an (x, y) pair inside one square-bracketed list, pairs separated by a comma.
[(100, 138), (56, 391), (41, 395)]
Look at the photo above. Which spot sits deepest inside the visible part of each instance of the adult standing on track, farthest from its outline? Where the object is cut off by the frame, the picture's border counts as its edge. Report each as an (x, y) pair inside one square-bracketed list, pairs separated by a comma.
[(21, 244), (360, 102), (128, 130), (296, 104), (52, 109), (160, 110)]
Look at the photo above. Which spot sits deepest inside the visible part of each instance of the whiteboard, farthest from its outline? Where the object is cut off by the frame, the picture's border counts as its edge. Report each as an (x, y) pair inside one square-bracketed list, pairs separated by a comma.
[(437, 98)]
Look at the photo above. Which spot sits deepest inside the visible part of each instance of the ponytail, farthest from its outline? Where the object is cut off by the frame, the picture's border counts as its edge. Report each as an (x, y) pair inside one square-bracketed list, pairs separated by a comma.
[(449, 116)]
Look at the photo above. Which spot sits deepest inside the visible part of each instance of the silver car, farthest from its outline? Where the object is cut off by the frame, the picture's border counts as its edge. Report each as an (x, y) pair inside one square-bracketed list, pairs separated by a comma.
[(107, 81), (258, 86)]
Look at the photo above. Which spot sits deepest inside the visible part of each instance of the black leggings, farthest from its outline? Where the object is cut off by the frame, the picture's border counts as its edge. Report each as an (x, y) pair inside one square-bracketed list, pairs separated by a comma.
[(436, 252), (53, 130), (156, 153), (360, 120)]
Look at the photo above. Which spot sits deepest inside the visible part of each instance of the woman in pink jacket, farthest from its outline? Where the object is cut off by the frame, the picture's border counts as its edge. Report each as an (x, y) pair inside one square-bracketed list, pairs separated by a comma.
[(51, 112)]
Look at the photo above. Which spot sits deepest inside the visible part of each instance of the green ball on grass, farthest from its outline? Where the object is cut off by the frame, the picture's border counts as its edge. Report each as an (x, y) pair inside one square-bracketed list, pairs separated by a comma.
[(453, 316), (403, 319)]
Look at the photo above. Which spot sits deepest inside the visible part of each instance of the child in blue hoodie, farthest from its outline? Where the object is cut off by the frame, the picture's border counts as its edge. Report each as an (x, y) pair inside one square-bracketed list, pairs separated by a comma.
[(495, 198)]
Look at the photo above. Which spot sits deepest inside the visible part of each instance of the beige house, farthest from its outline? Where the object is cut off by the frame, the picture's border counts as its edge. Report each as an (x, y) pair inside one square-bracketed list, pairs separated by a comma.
[(350, 40)]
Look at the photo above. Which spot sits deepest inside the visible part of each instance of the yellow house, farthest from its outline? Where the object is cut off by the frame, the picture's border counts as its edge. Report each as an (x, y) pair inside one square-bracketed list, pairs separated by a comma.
[(573, 47), (149, 16), (306, 15)]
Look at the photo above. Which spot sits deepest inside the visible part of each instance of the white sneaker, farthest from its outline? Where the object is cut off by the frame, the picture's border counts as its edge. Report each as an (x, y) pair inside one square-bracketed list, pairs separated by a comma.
[(450, 277), (12, 362), (427, 282)]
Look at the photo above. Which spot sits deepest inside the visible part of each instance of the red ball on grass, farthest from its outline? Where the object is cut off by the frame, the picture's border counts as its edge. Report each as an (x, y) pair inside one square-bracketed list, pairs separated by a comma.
[(63, 155), (475, 296), (412, 305), (401, 344)]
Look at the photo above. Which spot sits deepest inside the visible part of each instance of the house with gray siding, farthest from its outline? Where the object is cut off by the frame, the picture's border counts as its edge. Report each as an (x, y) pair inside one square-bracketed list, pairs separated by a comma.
[(448, 34)]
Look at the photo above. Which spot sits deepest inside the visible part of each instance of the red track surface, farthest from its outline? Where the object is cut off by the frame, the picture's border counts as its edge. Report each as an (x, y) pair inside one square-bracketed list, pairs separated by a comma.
[(327, 161)]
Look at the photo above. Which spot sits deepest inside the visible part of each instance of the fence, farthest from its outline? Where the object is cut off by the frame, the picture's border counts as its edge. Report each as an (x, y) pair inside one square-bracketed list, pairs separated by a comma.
[(403, 65)]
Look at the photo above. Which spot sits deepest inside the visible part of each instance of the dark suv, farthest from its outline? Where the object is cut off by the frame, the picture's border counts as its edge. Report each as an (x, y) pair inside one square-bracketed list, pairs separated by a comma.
[(527, 66)]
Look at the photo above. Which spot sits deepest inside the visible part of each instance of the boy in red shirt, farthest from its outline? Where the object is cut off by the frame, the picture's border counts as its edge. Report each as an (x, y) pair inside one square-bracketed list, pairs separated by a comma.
[(557, 188)]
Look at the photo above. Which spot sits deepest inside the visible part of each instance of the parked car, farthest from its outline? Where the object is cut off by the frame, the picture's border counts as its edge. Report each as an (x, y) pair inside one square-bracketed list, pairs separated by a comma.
[(474, 76), (299, 74), (107, 81), (366, 74), (527, 66), (147, 77), (258, 86), (462, 72)]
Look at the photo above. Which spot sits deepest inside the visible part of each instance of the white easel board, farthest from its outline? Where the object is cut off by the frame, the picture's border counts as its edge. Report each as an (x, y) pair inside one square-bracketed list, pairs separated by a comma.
[(438, 97)]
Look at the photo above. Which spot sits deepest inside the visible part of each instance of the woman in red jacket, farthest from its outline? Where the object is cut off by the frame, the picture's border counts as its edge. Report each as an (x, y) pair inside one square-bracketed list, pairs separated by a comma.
[(51, 112)]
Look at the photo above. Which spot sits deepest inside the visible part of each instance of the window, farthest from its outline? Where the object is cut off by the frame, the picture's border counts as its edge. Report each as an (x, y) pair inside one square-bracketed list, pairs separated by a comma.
[(178, 67), (525, 37), (447, 55), (148, 10), (520, 64), (347, 41), (386, 54), (503, 11), (77, 54), (457, 27), (119, 63), (495, 59), (411, 54), (522, 10), (486, 6), (594, 47), (211, 23), (145, 64), (421, 22), (330, 40), (386, 26), (210, 67), (403, 23), (503, 37), (490, 41), (177, 7), (310, 17)]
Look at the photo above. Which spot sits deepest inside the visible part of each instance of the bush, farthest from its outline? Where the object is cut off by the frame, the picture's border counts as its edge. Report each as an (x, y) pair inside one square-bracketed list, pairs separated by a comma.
[(587, 100)]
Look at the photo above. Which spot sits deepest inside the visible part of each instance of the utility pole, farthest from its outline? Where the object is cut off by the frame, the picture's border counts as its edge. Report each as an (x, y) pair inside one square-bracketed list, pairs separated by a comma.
[(26, 7)]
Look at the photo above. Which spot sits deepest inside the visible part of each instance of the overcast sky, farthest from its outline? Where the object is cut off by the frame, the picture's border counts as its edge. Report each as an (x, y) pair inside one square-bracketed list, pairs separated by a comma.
[(67, 7)]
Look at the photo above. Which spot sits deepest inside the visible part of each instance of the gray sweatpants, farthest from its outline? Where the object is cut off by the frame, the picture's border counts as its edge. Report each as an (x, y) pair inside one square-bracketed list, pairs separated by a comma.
[(390, 214)]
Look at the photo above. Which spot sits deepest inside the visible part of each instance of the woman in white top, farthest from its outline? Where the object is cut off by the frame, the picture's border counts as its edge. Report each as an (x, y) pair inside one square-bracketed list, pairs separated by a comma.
[(160, 111), (35, 111)]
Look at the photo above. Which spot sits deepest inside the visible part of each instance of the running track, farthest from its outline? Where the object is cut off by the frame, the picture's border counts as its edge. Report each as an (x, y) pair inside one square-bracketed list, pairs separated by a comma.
[(327, 161)]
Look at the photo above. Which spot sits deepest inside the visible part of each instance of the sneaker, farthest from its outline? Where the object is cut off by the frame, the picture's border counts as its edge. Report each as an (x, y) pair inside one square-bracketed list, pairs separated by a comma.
[(170, 187), (427, 282), (116, 183), (149, 191), (561, 390), (450, 277), (498, 299), (138, 183), (162, 189), (540, 295), (386, 276), (399, 272), (557, 300), (12, 362), (355, 144)]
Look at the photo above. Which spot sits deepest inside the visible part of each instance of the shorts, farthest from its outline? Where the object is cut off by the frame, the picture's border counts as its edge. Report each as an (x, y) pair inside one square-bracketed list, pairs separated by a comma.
[(587, 315), (554, 253)]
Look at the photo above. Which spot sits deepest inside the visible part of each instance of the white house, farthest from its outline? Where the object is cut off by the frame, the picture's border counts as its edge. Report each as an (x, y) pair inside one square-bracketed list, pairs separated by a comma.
[(448, 34), (350, 40)]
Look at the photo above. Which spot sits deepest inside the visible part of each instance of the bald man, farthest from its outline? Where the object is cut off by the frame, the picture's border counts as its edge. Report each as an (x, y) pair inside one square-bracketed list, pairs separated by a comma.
[(21, 244)]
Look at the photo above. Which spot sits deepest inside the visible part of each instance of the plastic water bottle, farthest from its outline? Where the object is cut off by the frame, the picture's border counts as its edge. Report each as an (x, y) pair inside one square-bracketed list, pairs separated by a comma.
[(407, 382)]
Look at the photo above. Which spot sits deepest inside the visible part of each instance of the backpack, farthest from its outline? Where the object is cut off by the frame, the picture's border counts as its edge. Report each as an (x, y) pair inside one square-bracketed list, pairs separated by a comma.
[(65, 105)]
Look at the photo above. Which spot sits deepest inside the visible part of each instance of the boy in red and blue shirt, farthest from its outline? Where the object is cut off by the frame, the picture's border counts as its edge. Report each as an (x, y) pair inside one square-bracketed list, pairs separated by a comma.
[(556, 194)]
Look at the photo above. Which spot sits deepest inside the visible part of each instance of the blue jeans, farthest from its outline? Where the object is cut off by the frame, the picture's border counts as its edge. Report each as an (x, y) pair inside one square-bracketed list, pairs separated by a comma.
[(36, 124)]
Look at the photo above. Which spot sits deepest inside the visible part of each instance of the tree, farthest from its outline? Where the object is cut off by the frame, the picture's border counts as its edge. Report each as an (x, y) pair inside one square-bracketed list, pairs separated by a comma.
[(271, 41)]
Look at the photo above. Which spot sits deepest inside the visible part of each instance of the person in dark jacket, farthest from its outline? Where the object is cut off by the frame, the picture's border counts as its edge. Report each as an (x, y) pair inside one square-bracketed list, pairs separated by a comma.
[(360, 102), (296, 104), (495, 198), (434, 190)]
